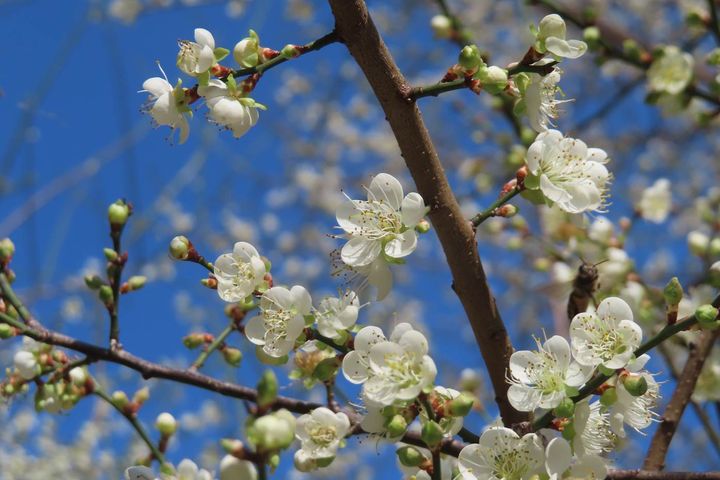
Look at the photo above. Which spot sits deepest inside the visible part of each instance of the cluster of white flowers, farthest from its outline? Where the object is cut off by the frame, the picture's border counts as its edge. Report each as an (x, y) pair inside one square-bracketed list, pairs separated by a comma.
[(321, 433), (671, 72), (231, 468), (228, 103), (380, 230)]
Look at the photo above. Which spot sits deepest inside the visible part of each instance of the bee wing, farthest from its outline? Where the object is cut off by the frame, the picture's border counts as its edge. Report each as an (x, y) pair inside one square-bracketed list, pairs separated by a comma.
[(556, 290)]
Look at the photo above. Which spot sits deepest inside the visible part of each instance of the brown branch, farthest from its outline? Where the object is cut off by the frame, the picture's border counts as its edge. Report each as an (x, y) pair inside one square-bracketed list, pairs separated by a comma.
[(356, 29), (649, 475), (660, 443)]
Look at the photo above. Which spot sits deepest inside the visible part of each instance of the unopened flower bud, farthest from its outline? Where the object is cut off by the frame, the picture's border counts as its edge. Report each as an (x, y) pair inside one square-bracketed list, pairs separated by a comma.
[(193, 340), (461, 405), (470, 58), (267, 389), (166, 424), (136, 282), (565, 409), (441, 26), (423, 226), (609, 397), (707, 316), (105, 294), (7, 250), (696, 19), (636, 385), (142, 395), (210, 283), (494, 79), (410, 456), (6, 331), (290, 51), (507, 211), (232, 446), (551, 26), (247, 51), (698, 243), (118, 213), (179, 247), (274, 431), (93, 282), (591, 35), (673, 292), (232, 468), (432, 433), (632, 49), (120, 399), (78, 376), (110, 254), (469, 380), (232, 356), (713, 57), (396, 426), (714, 249)]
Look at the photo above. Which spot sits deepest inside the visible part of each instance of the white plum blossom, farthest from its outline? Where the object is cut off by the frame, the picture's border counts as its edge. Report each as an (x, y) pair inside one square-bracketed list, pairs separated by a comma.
[(281, 320), (390, 370), (378, 275), (501, 454), (337, 314), (187, 470), (538, 379), (607, 337), (139, 472), (551, 38), (559, 463), (232, 468), (593, 433), (166, 105), (26, 364), (239, 273), (321, 433), (567, 172), (541, 104), (656, 201), (229, 107), (384, 224), (672, 72), (196, 58)]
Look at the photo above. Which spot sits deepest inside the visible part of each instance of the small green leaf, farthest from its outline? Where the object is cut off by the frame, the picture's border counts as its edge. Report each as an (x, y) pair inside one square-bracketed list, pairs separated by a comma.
[(220, 53)]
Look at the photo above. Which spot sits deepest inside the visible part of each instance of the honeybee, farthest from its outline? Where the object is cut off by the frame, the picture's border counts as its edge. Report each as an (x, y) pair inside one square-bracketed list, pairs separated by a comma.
[(583, 289)]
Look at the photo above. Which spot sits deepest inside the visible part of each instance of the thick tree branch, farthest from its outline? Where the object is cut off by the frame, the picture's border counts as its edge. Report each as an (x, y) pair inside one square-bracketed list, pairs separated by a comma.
[(356, 29), (660, 443)]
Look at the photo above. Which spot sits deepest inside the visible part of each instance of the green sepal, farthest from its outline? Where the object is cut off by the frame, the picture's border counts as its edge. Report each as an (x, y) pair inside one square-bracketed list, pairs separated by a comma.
[(571, 391), (204, 79), (533, 196), (532, 182), (309, 320), (231, 83), (220, 53)]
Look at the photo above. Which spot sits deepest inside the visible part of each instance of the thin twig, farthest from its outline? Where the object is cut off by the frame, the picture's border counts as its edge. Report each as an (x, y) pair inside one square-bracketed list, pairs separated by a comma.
[(216, 343)]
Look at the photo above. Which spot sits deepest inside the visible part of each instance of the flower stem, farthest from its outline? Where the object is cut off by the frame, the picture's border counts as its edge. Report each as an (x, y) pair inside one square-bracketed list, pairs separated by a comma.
[(490, 211), (156, 453), (115, 279), (200, 361), (10, 296), (321, 42)]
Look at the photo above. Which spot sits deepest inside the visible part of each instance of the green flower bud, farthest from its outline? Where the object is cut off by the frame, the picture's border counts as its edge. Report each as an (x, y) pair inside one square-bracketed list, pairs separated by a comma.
[(494, 79), (267, 389), (105, 294), (167, 469), (290, 51), (410, 456), (6, 331), (118, 213), (120, 399), (432, 433), (636, 385), (247, 51), (166, 424), (232, 446), (274, 461), (93, 282), (423, 226), (673, 292), (110, 254), (179, 247), (707, 316), (142, 395), (7, 250), (695, 19), (591, 35), (609, 397), (565, 409), (193, 340), (470, 58), (461, 405), (272, 432), (631, 49), (136, 282), (396, 426), (698, 243), (232, 356), (441, 26)]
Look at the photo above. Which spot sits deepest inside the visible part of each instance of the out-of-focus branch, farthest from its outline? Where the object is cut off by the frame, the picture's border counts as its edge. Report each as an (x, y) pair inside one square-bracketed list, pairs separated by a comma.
[(650, 475), (660, 443), (357, 30)]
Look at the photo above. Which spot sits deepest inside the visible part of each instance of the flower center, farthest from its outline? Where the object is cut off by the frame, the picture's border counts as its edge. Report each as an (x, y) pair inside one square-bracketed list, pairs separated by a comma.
[(189, 54), (276, 322), (323, 435), (377, 220), (545, 373), (402, 370)]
